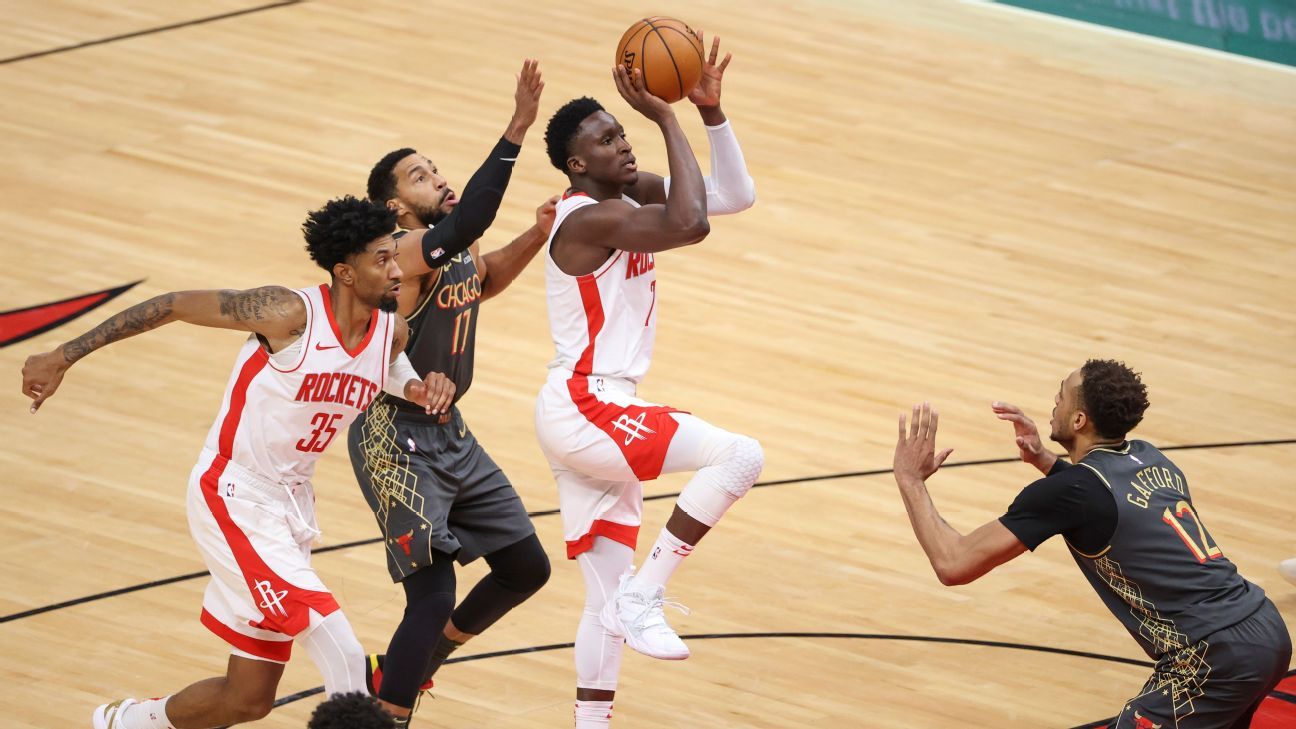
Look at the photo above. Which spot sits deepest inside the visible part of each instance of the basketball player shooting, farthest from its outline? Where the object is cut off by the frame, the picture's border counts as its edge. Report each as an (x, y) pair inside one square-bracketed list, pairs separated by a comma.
[(316, 358), (600, 439)]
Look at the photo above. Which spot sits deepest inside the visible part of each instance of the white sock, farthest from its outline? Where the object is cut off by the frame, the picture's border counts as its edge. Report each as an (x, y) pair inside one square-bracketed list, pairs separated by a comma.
[(593, 714), (147, 714), (667, 554)]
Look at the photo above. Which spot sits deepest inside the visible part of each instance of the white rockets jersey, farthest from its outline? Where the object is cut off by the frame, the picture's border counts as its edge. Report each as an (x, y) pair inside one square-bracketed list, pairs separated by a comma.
[(603, 323), (281, 410)]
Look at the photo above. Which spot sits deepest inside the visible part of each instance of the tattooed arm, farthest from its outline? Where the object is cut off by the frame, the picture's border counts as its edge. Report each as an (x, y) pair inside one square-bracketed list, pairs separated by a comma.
[(275, 313)]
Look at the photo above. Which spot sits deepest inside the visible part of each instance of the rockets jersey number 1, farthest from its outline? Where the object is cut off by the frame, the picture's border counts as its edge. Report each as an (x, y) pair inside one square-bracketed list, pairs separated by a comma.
[(605, 322)]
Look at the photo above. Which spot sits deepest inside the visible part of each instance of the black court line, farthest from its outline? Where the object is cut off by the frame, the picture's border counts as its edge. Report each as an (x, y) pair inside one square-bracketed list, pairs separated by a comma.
[(551, 512), (290, 698), (147, 31)]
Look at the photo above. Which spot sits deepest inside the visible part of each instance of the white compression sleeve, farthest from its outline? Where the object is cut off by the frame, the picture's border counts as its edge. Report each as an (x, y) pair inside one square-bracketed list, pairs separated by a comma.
[(333, 647), (730, 189), (398, 373)]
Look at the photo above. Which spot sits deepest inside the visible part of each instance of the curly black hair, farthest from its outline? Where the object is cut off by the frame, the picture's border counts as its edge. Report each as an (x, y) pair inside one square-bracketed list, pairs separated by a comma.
[(1114, 397), (382, 178), (343, 228), (562, 128), (350, 711)]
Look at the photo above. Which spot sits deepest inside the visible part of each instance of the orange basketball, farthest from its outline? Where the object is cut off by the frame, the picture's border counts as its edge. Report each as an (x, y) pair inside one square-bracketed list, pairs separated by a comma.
[(668, 53)]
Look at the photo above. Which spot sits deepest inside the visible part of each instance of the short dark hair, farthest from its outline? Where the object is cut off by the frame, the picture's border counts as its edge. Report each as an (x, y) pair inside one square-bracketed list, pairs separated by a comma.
[(350, 711), (343, 228), (563, 126), (382, 178), (1114, 397)]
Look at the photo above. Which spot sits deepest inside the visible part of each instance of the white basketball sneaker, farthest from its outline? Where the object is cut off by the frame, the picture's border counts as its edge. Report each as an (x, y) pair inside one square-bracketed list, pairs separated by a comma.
[(637, 616), (1288, 569), (108, 716)]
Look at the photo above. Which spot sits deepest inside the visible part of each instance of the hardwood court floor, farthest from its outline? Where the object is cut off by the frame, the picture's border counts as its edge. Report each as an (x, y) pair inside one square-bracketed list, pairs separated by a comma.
[(955, 202)]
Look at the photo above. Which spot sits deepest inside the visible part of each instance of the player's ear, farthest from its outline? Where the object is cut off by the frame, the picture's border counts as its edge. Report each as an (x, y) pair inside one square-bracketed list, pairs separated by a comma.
[(345, 273), (575, 165), (396, 206)]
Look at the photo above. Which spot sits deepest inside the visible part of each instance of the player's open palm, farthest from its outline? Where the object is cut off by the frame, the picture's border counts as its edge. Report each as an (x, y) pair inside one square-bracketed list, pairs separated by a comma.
[(707, 91), (1029, 446), (526, 99), (42, 374), (434, 392), (915, 453), (632, 88)]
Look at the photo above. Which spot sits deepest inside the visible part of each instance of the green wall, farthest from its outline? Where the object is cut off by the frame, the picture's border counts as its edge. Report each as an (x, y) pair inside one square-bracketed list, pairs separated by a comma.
[(1260, 28)]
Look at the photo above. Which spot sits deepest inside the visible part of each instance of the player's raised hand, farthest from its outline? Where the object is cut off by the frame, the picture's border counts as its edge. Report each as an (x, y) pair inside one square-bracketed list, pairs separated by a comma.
[(915, 454), (526, 100), (707, 91), (42, 374), (632, 88), (546, 213), (1029, 446), (434, 392)]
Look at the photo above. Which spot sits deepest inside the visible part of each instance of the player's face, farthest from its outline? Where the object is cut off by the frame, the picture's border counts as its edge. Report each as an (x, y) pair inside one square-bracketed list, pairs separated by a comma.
[(422, 190), (602, 147), (1062, 424), (377, 275)]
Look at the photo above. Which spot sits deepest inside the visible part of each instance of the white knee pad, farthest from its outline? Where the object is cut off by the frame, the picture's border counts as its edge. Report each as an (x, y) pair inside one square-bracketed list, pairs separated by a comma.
[(744, 459), (730, 473)]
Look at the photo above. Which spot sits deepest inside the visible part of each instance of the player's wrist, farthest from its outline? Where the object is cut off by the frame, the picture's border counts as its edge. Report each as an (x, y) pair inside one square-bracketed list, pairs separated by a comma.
[(1044, 461), (712, 116), (516, 132)]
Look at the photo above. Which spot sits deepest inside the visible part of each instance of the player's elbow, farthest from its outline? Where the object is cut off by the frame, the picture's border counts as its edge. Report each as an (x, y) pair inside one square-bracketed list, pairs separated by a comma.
[(697, 230), (951, 579), (952, 575), (742, 198)]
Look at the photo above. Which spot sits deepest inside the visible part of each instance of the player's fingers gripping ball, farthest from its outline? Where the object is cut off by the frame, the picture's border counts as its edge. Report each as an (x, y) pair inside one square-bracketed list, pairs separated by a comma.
[(668, 54)]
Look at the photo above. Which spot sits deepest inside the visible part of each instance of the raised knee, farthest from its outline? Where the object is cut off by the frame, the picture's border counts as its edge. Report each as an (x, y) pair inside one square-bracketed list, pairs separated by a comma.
[(746, 458), (538, 573), (526, 570)]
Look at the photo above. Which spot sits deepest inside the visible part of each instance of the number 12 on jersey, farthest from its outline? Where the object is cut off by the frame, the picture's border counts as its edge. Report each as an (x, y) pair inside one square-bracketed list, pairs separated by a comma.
[(1205, 550)]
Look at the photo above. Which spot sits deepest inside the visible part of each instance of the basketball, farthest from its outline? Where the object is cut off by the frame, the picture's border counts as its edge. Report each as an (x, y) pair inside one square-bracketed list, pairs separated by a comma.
[(668, 53)]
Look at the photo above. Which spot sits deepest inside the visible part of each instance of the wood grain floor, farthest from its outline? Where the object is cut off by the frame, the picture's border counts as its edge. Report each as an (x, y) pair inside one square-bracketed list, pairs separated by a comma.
[(956, 203)]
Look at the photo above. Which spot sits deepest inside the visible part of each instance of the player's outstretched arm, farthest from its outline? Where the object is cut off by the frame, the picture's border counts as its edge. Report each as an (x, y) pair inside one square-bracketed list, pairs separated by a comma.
[(423, 251), (956, 558), (274, 312)]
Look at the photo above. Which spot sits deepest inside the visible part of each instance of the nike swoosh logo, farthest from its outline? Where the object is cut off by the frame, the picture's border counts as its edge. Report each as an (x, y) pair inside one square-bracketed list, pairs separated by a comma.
[(322, 347), (508, 159)]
